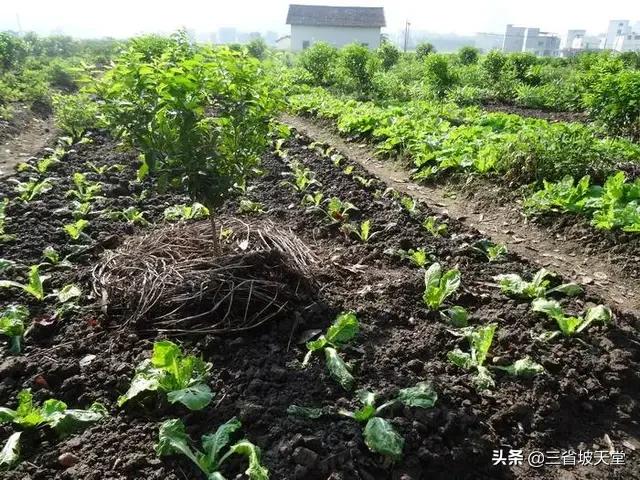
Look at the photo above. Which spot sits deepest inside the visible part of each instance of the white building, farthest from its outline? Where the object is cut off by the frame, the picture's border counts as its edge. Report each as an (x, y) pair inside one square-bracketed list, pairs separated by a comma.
[(578, 41), (338, 26), (627, 43), (616, 28), (532, 40)]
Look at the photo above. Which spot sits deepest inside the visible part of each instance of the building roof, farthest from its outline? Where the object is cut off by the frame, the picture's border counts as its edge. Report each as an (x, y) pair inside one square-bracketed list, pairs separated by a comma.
[(325, 16)]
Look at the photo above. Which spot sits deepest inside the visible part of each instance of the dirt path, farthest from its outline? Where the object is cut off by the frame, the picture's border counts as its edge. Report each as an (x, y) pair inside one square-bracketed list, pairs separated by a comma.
[(503, 224), (36, 135)]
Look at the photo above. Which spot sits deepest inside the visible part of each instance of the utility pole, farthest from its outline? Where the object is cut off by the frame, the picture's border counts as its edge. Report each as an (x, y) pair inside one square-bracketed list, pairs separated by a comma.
[(19, 24), (406, 35)]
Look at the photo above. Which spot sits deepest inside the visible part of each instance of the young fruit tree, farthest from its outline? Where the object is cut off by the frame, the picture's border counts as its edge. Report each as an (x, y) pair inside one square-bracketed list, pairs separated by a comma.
[(200, 117)]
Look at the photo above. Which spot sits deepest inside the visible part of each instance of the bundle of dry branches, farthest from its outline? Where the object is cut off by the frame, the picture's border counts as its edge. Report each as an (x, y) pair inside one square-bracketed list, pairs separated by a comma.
[(169, 279)]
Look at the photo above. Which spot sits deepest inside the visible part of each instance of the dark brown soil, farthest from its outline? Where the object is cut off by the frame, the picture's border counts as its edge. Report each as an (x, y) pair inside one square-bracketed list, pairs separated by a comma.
[(591, 390)]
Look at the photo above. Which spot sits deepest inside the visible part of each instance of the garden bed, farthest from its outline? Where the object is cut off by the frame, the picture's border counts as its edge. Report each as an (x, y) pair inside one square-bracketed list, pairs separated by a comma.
[(588, 396)]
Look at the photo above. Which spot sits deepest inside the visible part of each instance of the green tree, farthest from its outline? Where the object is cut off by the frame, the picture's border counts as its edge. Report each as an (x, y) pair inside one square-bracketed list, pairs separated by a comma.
[(257, 48), (438, 73), (388, 54), (492, 65), (319, 60), (360, 65), (424, 49), (468, 55)]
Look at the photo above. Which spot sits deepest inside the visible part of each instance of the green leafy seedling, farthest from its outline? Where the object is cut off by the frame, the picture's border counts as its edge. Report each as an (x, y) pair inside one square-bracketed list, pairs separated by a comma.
[(250, 207), (195, 211), (10, 453), (570, 325), (513, 285), (28, 191), (52, 413), (362, 231), (492, 251), (342, 331), (438, 286), (33, 287), (434, 227), (173, 439), (76, 229), (338, 211), (181, 377), (12, 325)]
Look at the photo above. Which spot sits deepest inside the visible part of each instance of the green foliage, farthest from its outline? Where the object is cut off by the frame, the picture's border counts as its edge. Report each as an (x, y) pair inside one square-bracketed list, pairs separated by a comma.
[(4, 236), (570, 325), (34, 285), (75, 113), (195, 211), (456, 316), (216, 449), (76, 229), (320, 61), (28, 191), (199, 115), (438, 75), (513, 285), (358, 65), (84, 191), (52, 413), (434, 227), (338, 211), (257, 48), (492, 65), (361, 231), (614, 101), (424, 49), (10, 453), (303, 178), (344, 328), (12, 325), (250, 207), (468, 55), (438, 285), (493, 251), (389, 55), (181, 377)]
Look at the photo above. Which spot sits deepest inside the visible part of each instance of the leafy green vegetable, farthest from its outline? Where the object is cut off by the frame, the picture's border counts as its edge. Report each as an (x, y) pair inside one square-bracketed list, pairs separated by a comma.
[(52, 413), (525, 367), (491, 250), (69, 292), (338, 211), (439, 286), (457, 316), (34, 287), (305, 412), (538, 287), (130, 215), (434, 227), (570, 325), (480, 339), (10, 453), (186, 212), (250, 207), (181, 378), (409, 204), (28, 191), (303, 178), (423, 395), (382, 438), (12, 324), (342, 331), (75, 229), (85, 191), (173, 439), (363, 231)]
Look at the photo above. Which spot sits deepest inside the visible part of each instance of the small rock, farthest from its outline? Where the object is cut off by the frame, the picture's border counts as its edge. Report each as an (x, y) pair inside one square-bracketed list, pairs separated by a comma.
[(68, 460)]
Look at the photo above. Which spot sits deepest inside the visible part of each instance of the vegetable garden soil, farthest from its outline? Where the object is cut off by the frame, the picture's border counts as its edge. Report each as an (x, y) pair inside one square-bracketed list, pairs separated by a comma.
[(608, 261), (549, 115), (588, 399)]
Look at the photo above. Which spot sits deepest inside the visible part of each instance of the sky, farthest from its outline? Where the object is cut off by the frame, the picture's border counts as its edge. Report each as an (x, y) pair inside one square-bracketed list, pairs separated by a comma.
[(123, 18)]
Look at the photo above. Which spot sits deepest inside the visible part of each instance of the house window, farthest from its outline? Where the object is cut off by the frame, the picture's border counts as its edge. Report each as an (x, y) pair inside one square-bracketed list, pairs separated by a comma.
[(305, 44)]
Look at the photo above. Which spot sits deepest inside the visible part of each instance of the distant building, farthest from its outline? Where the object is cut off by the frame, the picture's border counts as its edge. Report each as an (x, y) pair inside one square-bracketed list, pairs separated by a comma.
[(630, 42), (616, 29), (531, 40), (338, 26), (489, 41), (284, 43)]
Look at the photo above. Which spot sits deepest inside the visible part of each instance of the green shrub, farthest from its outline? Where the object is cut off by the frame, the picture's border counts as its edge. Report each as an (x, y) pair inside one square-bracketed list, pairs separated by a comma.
[(468, 55), (424, 49), (614, 101), (388, 54), (257, 48), (75, 113), (492, 66), (358, 65), (439, 76), (520, 63), (320, 60)]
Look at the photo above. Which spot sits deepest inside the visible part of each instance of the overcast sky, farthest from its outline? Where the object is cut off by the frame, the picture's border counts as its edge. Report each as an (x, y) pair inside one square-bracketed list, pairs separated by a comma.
[(121, 18)]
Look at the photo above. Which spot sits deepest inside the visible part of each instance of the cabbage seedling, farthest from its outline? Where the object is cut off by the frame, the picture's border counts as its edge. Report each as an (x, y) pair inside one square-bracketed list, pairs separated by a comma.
[(33, 287), (338, 211), (435, 228), (28, 191), (569, 325), (493, 251), (181, 377), (85, 191), (186, 212), (313, 201), (303, 178), (362, 231), (75, 230), (438, 286), (10, 453), (52, 413), (512, 284), (12, 325), (173, 439), (480, 340), (130, 215), (250, 207), (409, 204), (344, 329)]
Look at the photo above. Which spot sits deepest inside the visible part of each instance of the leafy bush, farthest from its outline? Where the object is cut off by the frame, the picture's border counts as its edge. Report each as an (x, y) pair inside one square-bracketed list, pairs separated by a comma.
[(388, 54), (320, 61), (439, 76), (492, 65), (200, 117), (614, 101), (75, 113), (358, 66), (468, 55), (424, 49), (257, 48)]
